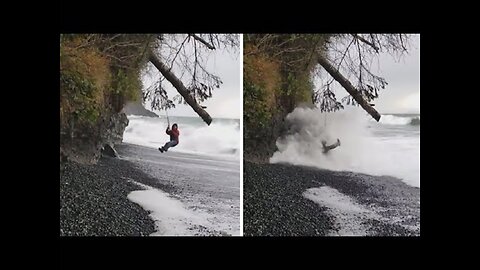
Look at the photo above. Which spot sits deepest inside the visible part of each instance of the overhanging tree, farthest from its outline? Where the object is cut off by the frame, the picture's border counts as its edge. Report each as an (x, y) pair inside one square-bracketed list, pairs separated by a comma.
[(195, 82), (352, 55), (346, 59)]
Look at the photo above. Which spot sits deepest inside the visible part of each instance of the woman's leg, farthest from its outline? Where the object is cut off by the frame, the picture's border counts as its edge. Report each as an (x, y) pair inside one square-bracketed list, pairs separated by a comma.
[(169, 144)]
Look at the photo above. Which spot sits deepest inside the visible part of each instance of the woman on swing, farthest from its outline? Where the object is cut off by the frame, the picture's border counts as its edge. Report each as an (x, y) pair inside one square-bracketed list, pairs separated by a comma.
[(174, 134), (326, 147)]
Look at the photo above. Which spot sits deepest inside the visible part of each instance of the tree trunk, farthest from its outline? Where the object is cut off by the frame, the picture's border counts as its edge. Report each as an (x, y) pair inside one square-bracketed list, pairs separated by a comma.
[(180, 88), (349, 87)]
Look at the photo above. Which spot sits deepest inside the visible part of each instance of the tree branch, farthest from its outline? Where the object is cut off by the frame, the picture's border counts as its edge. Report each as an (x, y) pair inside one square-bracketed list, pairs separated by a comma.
[(345, 53), (361, 64), (210, 46), (181, 46), (401, 42), (366, 42)]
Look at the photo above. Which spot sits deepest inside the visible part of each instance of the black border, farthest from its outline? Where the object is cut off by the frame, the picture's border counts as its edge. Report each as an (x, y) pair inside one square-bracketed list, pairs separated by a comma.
[(92, 18)]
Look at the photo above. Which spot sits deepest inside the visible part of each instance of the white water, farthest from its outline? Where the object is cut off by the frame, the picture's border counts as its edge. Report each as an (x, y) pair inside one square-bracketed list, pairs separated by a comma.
[(389, 119), (366, 146), (221, 138), (172, 217), (348, 214)]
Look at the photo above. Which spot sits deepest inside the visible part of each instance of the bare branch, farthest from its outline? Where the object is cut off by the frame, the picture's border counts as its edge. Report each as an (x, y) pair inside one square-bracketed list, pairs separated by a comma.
[(345, 53), (181, 46), (210, 46), (360, 64), (401, 42), (366, 42)]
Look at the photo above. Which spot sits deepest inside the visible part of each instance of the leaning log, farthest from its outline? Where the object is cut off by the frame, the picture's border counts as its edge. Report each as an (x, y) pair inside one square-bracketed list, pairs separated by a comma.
[(180, 87), (349, 87)]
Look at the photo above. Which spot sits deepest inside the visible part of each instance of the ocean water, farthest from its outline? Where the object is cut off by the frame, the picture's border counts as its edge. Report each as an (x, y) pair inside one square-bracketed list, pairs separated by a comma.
[(220, 139), (390, 147)]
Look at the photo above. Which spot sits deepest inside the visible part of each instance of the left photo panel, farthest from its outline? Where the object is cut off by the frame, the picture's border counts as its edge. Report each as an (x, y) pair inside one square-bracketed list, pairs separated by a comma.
[(150, 137)]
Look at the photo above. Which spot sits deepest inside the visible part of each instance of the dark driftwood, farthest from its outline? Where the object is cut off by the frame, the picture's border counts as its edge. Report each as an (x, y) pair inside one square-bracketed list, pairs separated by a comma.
[(180, 88), (349, 87)]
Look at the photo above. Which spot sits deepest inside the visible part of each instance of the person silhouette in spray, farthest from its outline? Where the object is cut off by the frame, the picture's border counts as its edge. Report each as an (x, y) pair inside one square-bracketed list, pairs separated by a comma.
[(327, 148)]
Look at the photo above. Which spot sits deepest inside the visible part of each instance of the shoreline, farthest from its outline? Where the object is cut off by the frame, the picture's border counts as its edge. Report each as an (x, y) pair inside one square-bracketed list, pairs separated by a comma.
[(96, 200), (93, 200), (279, 201)]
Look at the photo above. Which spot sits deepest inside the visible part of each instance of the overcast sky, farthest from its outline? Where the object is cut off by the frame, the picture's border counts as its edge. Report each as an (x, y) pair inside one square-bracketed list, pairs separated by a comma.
[(402, 94)]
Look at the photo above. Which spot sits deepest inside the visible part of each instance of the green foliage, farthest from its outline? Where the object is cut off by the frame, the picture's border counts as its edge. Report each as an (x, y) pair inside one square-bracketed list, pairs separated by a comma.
[(79, 92), (299, 88), (277, 71), (127, 84), (256, 114), (99, 73)]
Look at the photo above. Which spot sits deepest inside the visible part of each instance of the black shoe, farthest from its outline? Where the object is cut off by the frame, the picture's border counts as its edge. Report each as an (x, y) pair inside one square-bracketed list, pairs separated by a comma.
[(161, 149)]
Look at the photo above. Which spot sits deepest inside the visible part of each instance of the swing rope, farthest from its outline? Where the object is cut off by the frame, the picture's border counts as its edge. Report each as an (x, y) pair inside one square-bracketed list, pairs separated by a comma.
[(325, 122), (168, 120)]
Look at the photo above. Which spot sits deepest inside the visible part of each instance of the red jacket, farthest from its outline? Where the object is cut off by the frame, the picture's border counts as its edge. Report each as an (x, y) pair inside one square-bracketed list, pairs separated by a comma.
[(174, 134)]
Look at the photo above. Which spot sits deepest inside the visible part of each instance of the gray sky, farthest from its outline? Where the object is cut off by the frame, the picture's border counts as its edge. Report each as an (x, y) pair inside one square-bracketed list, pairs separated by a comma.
[(402, 94), (225, 101)]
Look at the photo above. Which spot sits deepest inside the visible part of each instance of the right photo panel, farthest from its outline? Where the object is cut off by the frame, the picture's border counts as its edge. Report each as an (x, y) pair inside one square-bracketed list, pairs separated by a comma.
[(331, 126)]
